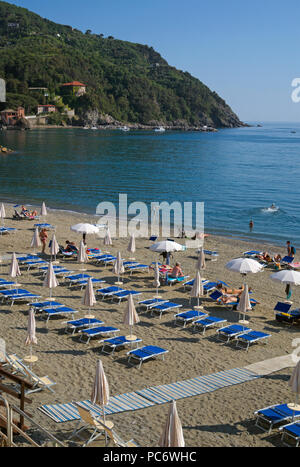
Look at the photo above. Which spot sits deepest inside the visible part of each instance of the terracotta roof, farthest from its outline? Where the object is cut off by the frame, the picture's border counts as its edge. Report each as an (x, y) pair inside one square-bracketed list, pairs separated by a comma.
[(73, 83)]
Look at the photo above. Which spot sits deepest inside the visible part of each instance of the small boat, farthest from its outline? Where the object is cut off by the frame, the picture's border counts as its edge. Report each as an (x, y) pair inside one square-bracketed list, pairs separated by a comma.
[(94, 128), (160, 129), (124, 128)]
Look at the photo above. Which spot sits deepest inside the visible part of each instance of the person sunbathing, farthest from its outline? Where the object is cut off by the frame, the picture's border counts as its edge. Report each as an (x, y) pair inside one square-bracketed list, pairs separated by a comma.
[(265, 257), (176, 271), (71, 246)]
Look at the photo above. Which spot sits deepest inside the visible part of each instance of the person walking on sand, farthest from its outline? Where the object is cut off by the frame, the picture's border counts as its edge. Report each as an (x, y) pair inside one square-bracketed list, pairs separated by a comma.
[(43, 237)]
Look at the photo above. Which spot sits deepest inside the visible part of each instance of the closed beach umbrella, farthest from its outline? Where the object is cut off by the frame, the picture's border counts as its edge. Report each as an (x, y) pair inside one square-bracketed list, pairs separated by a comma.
[(2, 213), (294, 384), (118, 267), (14, 270), (54, 249), (36, 242), (82, 256), (31, 338), (156, 278), (172, 436), (50, 280), (201, 260), (244, 304), (107, 239), (288, 277), (100, 393), (43, 209), (130, 316), (89, 295), (197, 289), (131, 245)]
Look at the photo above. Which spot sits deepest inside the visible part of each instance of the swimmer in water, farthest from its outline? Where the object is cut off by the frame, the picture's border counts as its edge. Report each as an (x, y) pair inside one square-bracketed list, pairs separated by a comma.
[(273, 206)]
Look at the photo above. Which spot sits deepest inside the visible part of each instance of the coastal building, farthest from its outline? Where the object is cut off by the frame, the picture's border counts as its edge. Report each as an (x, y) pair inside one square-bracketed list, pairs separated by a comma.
[(75, 87), (10, 116), (45, 109)]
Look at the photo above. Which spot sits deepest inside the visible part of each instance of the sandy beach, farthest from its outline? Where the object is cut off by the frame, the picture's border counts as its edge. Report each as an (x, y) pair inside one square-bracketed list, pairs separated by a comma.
[(220, 418)]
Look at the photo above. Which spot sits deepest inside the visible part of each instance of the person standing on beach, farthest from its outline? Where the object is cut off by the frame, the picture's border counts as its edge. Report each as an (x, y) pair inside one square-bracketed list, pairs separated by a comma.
[(43, 237), (291, 250), (251, 225)]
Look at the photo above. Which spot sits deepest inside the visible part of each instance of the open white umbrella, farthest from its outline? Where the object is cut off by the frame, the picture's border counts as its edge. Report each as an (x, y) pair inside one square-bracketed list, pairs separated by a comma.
[(107, 239), (54, 248), (43, 209), (294, 384), (201, 260), (172, 435), (89, 296), (197, 289), (31, 338), (85, 229), (50, 280), (2, 213), (244, 266), (166, 247), (36, 241), (156, 279), (118, 267), (244, 304), (82, 256), (131, 245), (130, 317), (100, 393), (288, 277)]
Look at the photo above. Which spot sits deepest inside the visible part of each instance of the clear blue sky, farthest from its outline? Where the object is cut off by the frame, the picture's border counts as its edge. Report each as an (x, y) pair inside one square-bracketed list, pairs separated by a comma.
[(248, 52)]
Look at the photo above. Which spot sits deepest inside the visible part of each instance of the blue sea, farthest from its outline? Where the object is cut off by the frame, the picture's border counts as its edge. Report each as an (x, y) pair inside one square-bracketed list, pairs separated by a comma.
[(237, 173)]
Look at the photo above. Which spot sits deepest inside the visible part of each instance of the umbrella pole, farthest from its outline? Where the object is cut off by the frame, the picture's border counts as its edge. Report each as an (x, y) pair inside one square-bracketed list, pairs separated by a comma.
[(103, 411)]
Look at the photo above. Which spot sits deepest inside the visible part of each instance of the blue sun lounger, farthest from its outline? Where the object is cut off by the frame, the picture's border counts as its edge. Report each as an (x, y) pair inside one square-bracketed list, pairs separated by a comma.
[(209, 286), (83, 282), (151, 302), (190, 283), (40, 306), (45, 226), (61, 310), (290, 431), (144, 353), (77, 277), (88, 334), (127, 264), (243, 341), (174, 280), (274, 415), (124, 294), (5, 284), (208, 322), (168, 306), (109, 291), (137, 267), (231, 332), (284, 314), (22, 297), (33, 263), (101, 258), (115, 342), (212, 254), (75, 325), (252, 253), (6, 230), (287, 260), (188, 316)]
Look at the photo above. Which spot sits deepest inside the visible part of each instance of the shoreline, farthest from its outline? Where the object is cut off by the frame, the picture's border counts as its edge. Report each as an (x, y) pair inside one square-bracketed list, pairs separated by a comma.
[(226, 237)]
